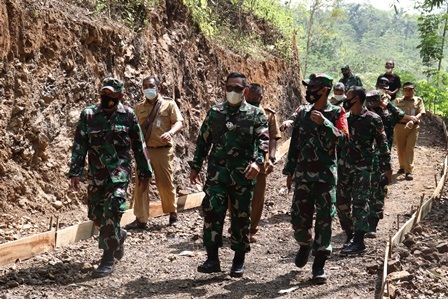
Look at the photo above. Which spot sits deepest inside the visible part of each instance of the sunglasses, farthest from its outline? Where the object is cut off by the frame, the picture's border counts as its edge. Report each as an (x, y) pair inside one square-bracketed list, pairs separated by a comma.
[(237, 89)]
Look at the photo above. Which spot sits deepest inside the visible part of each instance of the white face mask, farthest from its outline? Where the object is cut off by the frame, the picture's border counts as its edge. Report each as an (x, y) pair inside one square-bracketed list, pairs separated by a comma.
[(388, 70), (150, 93), (233, 97), (339, 97)]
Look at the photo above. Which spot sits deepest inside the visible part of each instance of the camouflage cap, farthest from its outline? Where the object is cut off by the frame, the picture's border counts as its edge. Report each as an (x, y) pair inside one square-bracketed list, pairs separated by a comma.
[(373, 97), (383, 82), (319, 79), (114, 85)]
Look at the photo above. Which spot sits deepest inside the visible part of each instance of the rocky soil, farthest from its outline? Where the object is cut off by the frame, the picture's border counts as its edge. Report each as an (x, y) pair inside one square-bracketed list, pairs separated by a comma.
[(53, 55), (161, 262)]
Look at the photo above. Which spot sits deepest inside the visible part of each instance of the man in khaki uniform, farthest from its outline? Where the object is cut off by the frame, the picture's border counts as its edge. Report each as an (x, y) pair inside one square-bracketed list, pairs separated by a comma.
[(254, 97), (159, 127), (406, 134)]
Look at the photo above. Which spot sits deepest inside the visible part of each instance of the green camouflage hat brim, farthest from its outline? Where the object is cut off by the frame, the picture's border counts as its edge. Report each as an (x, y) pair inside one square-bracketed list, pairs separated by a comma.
[(319, 79), (114, 85)]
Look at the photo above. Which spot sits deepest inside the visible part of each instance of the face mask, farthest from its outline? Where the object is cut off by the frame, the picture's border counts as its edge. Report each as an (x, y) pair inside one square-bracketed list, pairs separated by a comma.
[(108, 102), (312, 96), (338, 97), (150, 93), (388, 70), (234, 98), (348, 104)]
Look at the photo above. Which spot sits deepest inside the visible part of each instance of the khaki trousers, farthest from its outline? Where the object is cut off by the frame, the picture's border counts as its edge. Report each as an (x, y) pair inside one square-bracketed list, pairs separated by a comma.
[(257, 202), (405, 140), (162, 164)]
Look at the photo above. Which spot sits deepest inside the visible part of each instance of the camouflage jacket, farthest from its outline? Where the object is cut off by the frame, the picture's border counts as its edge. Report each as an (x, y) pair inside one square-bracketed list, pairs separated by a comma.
[(367, 139), (390, 117), (353, 80), (312, 152), (239, 135), (108, 142)]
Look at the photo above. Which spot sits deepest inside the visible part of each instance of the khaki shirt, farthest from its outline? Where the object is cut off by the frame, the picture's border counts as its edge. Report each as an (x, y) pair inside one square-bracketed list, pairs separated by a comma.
[(410, 107), (166, 117), (274, 128), (274, 131)]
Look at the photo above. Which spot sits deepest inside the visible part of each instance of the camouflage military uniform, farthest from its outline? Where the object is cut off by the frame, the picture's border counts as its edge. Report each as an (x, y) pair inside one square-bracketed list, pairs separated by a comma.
[(350, 81), (312, 163), (390, 117), (237, 136), (354, 185), (108, 140)]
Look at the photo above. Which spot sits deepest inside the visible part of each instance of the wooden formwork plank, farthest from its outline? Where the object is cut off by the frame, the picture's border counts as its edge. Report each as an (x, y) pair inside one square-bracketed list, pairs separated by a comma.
[(26, 247), (384, 276), (74, 233), (406, 228), (426, 208), (190, 201), (282, 149), (185, 202), (442, 180)]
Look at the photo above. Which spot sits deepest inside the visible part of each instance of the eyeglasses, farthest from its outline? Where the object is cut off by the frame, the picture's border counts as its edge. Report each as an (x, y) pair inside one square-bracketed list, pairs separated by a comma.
[(237, 89)]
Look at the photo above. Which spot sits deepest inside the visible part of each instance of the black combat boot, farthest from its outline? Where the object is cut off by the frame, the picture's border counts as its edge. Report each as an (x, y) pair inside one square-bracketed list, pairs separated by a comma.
[(373, 223), (106, 266), (319, 276), (349, 234), (119, 252), (302, 255), (356, 246), (212, 264), (237, 269)]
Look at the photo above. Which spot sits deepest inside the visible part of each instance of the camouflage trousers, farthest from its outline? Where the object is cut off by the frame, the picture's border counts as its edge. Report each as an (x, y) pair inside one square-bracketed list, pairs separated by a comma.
[(379, 193), (214, 207), (309, 198), (106, 206), (353, 195)]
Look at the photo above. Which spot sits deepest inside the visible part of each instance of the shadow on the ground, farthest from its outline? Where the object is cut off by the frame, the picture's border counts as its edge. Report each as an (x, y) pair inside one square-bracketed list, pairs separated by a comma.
[(231, 287), (63, 273)]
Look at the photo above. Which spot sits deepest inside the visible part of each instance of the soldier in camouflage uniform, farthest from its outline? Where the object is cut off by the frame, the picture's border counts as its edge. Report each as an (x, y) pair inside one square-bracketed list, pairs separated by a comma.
[(254, 97), (237, 134), (390, 115), (106, 132), (348, 78), (354, 187), (311, 164)]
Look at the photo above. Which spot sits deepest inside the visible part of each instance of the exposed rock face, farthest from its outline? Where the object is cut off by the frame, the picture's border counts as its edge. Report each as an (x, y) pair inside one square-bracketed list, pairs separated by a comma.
[(53, 56)]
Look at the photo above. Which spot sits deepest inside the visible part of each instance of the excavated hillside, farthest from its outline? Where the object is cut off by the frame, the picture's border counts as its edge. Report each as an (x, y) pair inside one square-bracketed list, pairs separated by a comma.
[(53, 56)]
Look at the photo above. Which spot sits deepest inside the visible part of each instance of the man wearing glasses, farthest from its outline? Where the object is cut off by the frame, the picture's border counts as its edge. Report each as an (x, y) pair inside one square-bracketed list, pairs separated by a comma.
[(236, 134), (406, 133)]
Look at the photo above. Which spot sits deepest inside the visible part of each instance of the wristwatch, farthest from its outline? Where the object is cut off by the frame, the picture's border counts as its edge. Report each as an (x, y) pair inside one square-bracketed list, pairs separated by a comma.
[(272, 159), (259, 161)]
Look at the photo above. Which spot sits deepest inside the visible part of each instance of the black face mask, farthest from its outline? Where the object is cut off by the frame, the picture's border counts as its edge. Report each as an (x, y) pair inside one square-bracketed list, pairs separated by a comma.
[(348, 103), (312, 96), (108, 102)]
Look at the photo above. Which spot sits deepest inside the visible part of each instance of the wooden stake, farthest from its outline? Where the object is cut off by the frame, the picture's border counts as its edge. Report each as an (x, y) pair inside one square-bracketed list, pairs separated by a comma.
[(398, 222), (390, 246), (51, 222)]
